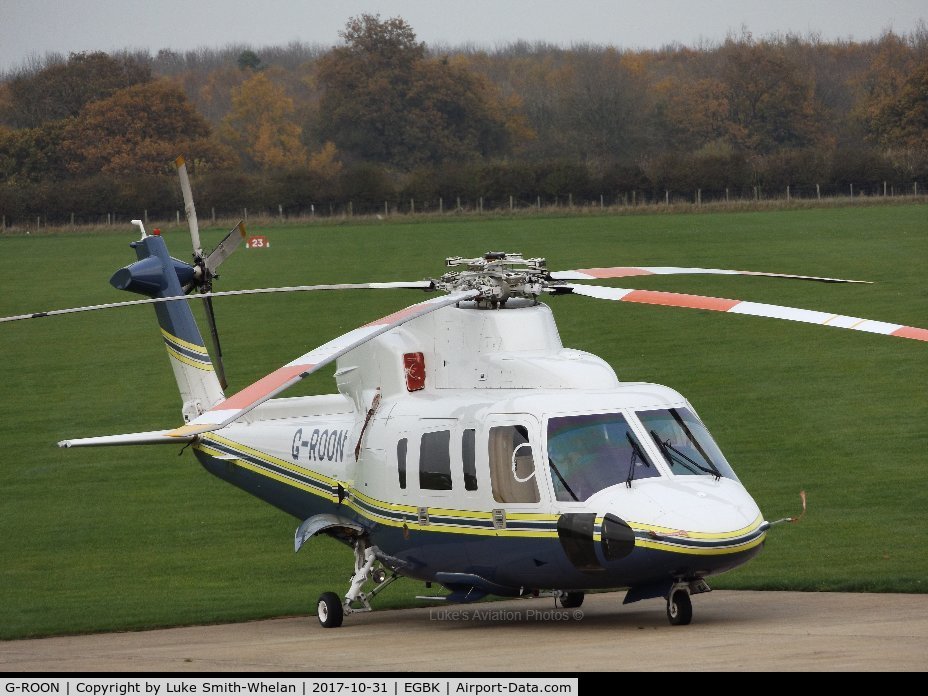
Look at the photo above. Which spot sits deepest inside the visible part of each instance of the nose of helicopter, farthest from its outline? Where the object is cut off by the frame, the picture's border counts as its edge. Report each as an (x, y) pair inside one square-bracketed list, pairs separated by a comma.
[(686, 505)]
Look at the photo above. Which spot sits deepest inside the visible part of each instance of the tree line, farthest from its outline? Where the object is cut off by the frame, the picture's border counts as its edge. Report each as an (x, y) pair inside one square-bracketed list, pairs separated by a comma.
[(381, 119)]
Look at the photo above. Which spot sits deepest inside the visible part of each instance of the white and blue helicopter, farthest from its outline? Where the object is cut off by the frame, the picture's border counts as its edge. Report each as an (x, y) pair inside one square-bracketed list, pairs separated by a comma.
[(466, 446)]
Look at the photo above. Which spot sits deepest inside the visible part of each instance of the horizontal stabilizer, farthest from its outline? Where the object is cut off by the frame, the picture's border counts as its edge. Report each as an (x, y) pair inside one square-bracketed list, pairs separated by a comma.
[(153, 437)]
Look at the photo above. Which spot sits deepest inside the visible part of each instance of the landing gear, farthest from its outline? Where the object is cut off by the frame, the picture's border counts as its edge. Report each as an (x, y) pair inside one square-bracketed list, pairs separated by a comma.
[(571, 600), (331, 610), (679, 607)]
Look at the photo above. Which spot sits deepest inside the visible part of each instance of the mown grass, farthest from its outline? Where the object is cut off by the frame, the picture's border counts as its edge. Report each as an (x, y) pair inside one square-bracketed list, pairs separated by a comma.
[(127, 538)]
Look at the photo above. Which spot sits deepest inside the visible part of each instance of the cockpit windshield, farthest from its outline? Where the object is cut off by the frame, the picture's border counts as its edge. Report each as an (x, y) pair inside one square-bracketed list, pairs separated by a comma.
[(685, 443), (588, 453)]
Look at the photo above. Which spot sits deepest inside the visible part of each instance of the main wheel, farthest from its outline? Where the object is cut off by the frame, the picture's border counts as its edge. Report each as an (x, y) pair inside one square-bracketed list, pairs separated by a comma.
[(571, 600), (679, 608), (330, 610)]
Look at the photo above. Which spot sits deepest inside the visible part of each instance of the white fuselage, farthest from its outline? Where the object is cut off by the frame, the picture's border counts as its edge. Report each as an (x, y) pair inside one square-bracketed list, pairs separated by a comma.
[(512, 460)]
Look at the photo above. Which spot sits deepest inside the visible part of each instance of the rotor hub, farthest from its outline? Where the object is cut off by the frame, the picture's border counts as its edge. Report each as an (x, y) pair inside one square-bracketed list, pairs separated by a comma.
[(498, 277)]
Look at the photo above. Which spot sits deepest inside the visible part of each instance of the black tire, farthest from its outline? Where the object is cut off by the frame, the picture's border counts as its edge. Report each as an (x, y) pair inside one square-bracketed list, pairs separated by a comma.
[(679, 608), (571, 600), (329, 610)]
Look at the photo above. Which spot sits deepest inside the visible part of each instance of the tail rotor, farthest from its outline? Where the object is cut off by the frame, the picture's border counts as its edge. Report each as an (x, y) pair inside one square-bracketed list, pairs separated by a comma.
[(205, 266)]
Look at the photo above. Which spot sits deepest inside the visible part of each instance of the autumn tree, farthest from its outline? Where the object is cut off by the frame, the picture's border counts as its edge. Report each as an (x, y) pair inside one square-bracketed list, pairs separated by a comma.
[(62, 89), (140, 129), (770, 99), (899, 123), (384, 101), (690, 113), (261, 125)]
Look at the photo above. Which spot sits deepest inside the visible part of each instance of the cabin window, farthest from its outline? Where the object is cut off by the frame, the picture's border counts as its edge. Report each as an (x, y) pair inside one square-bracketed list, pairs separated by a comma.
[(591, 452), (401, 461), (435, 461), (685, 443), (468, 456), (512, 465)]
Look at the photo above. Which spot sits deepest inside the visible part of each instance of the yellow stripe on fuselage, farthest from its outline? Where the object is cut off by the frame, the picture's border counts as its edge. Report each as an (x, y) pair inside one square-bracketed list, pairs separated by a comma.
[(192, 362), (184, 344), (384, 513)]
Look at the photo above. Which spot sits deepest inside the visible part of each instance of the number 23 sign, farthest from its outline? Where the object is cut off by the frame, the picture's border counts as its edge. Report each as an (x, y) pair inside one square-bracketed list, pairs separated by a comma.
[(257, 242)]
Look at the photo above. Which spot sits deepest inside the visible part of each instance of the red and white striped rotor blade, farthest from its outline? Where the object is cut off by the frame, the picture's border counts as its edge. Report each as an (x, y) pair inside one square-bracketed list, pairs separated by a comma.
[(756, 309), (237, 405), (629, 271)]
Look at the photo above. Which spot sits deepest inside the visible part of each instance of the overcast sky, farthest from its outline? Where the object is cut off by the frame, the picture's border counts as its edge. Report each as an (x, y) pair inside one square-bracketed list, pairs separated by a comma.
[(31, 28)]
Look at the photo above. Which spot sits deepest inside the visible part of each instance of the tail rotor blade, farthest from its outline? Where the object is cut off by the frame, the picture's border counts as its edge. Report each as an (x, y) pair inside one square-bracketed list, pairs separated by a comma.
[(191, 212), (224, 250), (217, 348)]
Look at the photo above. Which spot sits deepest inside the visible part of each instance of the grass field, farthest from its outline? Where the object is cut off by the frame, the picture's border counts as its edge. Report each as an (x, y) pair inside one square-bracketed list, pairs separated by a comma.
[(121, 538)]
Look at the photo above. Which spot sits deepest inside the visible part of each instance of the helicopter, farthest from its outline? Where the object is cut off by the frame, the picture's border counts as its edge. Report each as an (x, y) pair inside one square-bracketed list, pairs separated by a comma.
[(466, 446)]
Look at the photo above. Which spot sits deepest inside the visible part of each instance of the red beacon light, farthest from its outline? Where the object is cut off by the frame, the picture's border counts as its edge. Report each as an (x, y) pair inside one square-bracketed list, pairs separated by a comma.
[(414, 367), (156, 232)]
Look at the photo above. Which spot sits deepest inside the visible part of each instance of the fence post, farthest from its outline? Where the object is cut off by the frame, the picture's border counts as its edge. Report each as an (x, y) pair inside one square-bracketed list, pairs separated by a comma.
[(634, 198), (386, 209), (246, 214), (510, 203), (538, 201), (787, 193), (600, 201), (280, 211), (666, 197), (72, 220), (213, 215), (818, 192), (177, 216), (441, 204), (726, 195), (852, 190), (459, 203), (884, 189), (570, 200)]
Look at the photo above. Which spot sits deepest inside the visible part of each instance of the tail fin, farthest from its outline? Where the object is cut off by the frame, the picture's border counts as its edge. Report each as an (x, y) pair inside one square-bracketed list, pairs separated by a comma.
[(157, 274)]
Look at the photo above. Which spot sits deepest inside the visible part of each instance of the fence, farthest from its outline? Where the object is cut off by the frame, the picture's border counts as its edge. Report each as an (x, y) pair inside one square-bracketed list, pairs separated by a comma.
[(640, 200)]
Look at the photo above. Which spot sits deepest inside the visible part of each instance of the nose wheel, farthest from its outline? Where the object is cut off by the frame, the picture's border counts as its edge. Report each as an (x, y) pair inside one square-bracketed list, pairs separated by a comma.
[(330, 611), (679, 608)]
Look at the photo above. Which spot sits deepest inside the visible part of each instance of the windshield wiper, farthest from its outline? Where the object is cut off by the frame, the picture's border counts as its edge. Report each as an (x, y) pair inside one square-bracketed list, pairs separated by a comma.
[(636, 454), (561, 479), (675, 455)]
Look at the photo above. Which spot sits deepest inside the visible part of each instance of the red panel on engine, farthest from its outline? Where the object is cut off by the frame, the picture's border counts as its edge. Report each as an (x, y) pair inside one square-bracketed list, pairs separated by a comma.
[(414, 367)]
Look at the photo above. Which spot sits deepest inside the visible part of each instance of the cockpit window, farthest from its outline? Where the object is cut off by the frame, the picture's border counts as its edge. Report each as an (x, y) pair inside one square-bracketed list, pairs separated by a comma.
[(591, 452), (685, 443)]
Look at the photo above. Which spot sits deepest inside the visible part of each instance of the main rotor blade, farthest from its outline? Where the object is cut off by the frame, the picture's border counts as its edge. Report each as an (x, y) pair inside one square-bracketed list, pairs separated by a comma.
[(413, 285), (191, 212), (225, 248), (628, 271), (239, 404), (757, 309), (217, 349)]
